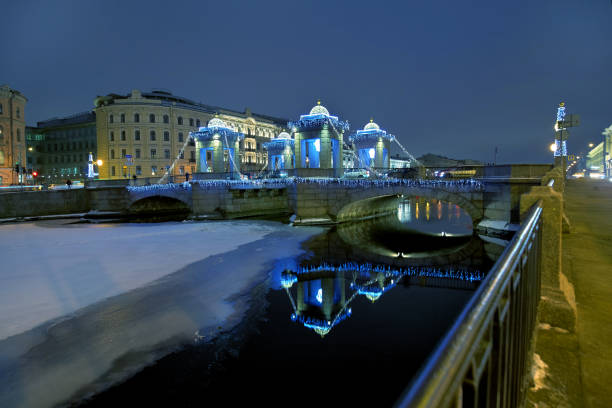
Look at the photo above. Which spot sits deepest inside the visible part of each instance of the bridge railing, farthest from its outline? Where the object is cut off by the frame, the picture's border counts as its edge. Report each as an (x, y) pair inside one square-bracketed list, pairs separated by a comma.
[(484, 358)]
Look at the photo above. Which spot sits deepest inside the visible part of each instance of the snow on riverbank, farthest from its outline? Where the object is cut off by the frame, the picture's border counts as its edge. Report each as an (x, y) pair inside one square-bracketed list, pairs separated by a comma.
[(50, 269), (64, 360)]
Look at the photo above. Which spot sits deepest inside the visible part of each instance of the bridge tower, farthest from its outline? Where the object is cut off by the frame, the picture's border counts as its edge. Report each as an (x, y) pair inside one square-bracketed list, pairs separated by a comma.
[(217, 148), (280, 152), (318, 143), (372, 144)]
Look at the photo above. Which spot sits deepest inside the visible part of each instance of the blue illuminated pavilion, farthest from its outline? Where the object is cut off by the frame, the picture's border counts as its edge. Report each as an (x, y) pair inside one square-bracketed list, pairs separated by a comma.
[(280, 152), (318, 143), (217, 147), (372, 145)]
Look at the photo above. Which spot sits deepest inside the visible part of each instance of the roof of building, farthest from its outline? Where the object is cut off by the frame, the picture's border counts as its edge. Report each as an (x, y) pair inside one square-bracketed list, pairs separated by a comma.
[(76, 119), (166, 97), (371, 125)]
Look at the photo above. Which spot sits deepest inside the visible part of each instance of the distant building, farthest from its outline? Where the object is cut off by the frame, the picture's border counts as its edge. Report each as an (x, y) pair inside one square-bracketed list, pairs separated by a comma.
[(58, 148), (397, 162), (12, 135), (595, 157), (153, 127)]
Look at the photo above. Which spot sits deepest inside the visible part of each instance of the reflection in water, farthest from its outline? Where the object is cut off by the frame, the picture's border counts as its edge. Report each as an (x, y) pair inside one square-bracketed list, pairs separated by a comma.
[(324, 292), (366, 287), (449, 219)]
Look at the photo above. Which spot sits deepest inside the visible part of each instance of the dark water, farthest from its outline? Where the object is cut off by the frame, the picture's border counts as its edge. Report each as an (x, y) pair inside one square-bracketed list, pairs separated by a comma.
[(350, 324)]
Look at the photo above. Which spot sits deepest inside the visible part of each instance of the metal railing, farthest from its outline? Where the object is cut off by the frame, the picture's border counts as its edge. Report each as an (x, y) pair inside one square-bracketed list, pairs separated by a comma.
[(484, 358)]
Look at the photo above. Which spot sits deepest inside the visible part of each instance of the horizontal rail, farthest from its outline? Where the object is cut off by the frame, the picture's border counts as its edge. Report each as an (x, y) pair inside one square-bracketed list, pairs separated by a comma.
[(482, 359)]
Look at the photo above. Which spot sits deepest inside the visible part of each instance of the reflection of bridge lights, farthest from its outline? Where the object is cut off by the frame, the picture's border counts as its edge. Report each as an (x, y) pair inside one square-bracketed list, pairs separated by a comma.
[(427, 210), (404, 213)]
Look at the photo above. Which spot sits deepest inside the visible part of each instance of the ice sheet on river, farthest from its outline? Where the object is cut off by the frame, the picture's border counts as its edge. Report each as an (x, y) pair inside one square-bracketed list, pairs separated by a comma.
[(51, 269), (118, 335)]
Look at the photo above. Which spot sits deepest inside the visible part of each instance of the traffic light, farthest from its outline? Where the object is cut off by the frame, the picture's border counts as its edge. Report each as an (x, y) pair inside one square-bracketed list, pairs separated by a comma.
[(34, 173)]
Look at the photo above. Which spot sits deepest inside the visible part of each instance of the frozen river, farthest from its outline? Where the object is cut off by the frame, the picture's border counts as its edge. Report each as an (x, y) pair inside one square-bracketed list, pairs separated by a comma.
[(183, 313), (83, 306)]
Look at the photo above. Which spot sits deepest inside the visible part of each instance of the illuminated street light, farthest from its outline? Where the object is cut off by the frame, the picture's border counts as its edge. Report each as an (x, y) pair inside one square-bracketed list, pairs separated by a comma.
[(590, 144), (99, 162), (553, 147)]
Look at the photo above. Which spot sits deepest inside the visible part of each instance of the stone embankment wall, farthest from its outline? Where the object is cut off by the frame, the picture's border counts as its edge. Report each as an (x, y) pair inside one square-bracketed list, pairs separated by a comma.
[(224, 202), (555, 306), (555, 333), (36, 203)]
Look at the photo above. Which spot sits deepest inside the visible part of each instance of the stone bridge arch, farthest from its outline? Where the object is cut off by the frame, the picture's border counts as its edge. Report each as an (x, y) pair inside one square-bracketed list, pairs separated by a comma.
[(340, 203), (159, 200), (177, 192)]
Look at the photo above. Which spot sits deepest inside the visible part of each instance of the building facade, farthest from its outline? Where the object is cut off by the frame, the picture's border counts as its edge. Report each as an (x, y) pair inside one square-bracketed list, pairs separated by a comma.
[(58, 148), (145, 133), (12, 135), (598, 160)]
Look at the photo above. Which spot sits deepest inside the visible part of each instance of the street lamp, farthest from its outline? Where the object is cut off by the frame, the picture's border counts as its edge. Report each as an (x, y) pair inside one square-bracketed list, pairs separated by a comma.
[(99, 162), (553, 147)]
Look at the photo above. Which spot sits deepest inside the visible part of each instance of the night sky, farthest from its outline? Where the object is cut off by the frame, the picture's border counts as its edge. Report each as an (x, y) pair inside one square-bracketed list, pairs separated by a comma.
[(449, 77)]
